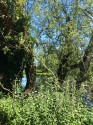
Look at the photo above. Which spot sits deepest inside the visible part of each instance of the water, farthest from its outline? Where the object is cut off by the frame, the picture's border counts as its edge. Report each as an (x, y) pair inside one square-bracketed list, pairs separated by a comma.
[(87, 100), (24, 81)]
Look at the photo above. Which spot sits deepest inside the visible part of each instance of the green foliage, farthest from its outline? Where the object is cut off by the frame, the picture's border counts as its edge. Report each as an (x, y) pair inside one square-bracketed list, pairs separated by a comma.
[(64, 34), (47, 107), (65, 31), (16, 48)]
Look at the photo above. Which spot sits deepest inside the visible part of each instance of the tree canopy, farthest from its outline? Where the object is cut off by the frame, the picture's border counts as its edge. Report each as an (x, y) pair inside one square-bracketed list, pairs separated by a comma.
[(57, 34), (16, 45)]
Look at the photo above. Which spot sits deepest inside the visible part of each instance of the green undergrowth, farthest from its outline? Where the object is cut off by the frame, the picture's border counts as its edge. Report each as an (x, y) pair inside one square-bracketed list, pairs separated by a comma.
[(47, 107)]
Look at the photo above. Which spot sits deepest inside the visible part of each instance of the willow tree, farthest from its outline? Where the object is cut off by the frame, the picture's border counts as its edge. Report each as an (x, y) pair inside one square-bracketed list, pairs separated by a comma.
[(67, 25), (16, 45)]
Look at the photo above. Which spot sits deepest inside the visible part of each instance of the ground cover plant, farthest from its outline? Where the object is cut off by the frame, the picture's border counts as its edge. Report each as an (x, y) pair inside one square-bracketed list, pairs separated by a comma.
[(47, 107)]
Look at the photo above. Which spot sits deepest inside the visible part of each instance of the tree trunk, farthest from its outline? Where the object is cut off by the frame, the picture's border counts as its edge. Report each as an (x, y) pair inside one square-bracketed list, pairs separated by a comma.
[(30, 74), (63, 68), (84, 65)]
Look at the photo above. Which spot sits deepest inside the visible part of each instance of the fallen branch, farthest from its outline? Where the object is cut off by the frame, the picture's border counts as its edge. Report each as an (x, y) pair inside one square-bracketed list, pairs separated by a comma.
[(5, 88)]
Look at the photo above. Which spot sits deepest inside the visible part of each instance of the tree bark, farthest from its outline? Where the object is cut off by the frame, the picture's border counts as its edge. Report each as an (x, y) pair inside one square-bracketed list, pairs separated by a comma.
[(30, 73), (63, 68), (84, 65)]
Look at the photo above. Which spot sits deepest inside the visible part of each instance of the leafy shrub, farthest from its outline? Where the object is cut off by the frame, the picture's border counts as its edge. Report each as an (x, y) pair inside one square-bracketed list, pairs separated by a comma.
[(47, 107)]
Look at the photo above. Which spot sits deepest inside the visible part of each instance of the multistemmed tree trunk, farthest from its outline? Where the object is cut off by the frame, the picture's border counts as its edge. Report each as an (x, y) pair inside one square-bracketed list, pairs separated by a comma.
[(84, 65)]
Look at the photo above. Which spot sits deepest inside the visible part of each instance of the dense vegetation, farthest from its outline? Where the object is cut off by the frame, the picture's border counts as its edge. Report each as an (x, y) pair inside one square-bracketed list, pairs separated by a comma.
[(14, 39), (45, 108), (50, 42)]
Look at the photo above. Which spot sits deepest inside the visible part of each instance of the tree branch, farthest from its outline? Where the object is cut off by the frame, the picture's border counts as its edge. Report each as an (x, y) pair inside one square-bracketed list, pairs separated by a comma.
[(5, 88)]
